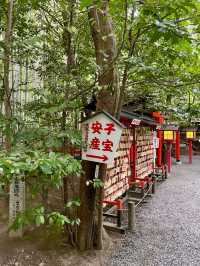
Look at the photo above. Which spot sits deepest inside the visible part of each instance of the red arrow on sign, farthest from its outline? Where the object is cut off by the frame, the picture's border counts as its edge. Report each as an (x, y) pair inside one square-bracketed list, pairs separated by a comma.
[(103, 157)]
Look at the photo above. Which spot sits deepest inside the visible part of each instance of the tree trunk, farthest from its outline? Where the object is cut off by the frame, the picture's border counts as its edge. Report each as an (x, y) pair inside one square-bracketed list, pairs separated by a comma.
[(6, 82), (68, 19), (106, 51), (108, 99), (87, 209)]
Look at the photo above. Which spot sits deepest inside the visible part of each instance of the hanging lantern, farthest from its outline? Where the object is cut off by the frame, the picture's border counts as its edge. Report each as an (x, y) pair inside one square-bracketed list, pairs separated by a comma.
[(169, 137), (191, 133), (190, 136), (169, 133)]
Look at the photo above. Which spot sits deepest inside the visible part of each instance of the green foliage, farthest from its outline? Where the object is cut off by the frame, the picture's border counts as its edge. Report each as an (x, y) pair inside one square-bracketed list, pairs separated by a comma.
[(46, 168), (44, 138), (85, 3), (36, 216), (165, 62), (42, 170), (73, 203), (29, 217), (59, 220), (96, 183)]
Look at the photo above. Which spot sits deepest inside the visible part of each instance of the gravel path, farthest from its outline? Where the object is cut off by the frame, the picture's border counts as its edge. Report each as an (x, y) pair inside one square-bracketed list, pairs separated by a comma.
[(168, 226)]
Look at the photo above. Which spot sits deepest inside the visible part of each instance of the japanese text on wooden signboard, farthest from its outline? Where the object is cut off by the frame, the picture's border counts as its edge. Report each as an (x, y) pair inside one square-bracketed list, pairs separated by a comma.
[(101, 137)]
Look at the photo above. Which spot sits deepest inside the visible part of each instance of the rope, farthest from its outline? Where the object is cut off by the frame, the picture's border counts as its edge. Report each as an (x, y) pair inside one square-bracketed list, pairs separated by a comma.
[(146, 193)]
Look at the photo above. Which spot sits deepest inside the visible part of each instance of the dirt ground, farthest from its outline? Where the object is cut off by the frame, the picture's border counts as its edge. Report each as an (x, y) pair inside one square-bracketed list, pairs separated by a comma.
[(35, 251)]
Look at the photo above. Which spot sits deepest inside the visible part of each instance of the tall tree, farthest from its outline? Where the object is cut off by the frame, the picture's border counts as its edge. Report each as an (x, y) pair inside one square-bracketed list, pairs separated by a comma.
[(107, 99), (6, 76)]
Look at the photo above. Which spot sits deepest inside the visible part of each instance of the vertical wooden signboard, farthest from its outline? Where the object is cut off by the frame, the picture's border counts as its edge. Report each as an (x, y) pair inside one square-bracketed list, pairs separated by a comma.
[(155, 147), (16, 203)]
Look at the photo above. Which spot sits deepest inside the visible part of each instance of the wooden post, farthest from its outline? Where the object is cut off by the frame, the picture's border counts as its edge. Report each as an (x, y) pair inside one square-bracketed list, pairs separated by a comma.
[(100, 173), (154, 186), (131, 216), (190, 151), (165, 171), (119, 213), (119, 218)]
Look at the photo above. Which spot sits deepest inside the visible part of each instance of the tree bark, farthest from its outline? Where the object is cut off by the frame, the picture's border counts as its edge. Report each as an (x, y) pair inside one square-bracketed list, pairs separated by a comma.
[(6, 82), (106, 50), (87, 209), (69, 19), (108, 99)]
